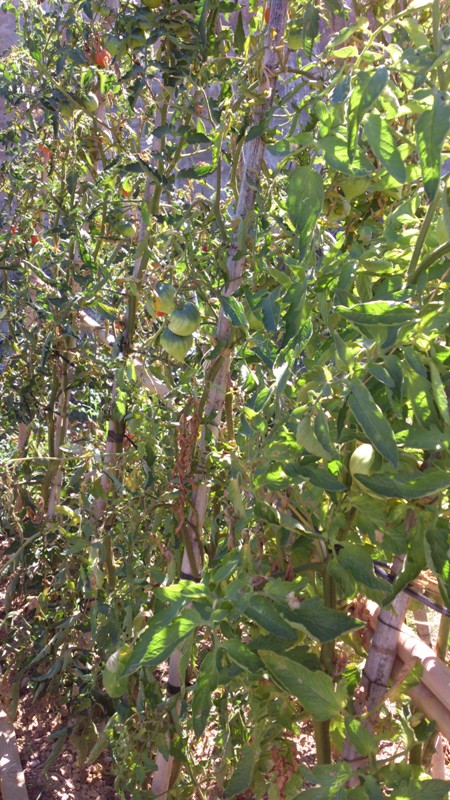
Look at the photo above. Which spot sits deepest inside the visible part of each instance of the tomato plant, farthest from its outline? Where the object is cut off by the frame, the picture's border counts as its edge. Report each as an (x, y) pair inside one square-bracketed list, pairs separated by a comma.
[(225, 379)]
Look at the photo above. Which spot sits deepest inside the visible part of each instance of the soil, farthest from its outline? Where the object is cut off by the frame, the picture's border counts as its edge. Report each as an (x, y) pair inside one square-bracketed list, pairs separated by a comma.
[(67, 780)]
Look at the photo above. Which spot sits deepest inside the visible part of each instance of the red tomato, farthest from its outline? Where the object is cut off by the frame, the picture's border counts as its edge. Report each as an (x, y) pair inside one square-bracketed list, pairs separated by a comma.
[(45, 151), (205, 248), (161, 314), (34, 239), (267, 14), (102, 58), (13, 230)]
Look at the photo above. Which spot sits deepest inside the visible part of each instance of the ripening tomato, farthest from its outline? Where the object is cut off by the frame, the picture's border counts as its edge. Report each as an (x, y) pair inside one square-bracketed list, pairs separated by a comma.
[(44, 151), (164, 294), (34, 239), (102, 58)]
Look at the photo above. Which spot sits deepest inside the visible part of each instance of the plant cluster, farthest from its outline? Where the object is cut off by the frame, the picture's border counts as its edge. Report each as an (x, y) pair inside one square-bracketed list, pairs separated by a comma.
[(327, 447)]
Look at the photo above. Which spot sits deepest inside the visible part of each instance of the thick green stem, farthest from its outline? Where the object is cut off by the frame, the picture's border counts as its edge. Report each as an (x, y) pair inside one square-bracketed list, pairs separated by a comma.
[(323, 744), (327, 652)]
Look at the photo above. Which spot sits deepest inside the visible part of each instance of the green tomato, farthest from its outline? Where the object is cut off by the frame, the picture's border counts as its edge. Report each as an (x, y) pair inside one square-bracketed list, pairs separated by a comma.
[(124, 228), (184, 321), (294, 35), (361, 460), (164, 297), (90, 102), (176, 346)]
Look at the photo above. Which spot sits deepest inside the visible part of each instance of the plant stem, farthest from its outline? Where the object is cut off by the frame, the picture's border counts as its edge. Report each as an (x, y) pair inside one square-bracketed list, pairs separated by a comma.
[(323, 744), (422, 235), (429, 260)]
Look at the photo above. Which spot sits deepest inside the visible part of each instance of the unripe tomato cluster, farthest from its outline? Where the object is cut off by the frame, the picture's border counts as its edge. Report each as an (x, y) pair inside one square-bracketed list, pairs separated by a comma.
[(177, 338)]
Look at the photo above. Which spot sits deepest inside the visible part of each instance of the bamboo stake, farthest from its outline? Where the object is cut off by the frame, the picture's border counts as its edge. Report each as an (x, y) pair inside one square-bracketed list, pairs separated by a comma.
[(433, 759), (436, 674), (423, 628), (12, 778), (424, 699), (218, 371), (377, 671)]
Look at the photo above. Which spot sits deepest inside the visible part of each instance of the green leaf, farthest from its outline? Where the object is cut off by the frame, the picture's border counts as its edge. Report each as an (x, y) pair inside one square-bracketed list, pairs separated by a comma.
[(153, 648), (426, 438), (420, 395), (227, 566), (304, 201), (407, 485), (319, 621), (322, 478), (186, 590), (381, 374), (427, 789), (322, 432), (310, 28), (378, 312), (431, 130), (330, 777), (205, 684), (382, 142), (262, 611), (242, 655), (357, 560), (365, 93), (373, 422), (364, 741), (273, 478), (234, 310), (439, 392), (242, 776), (301, 654), (314, 690), (337, 157), (239, 34)]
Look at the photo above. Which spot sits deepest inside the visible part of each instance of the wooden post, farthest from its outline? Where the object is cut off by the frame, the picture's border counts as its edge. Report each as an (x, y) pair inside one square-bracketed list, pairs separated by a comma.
[(12, 778)]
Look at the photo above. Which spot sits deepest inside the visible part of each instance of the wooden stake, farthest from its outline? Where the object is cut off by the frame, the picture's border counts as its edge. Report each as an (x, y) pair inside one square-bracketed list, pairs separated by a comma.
[(12, 778)]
